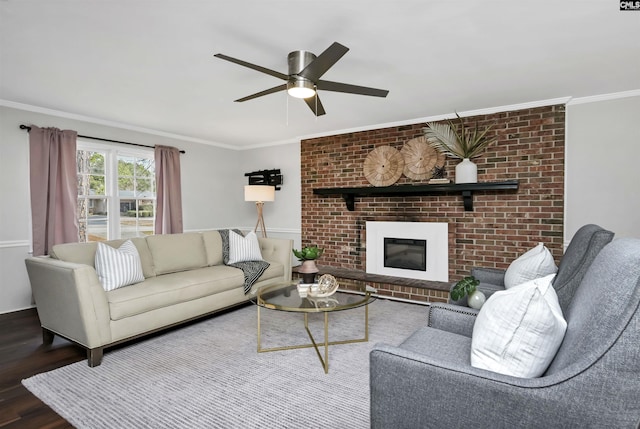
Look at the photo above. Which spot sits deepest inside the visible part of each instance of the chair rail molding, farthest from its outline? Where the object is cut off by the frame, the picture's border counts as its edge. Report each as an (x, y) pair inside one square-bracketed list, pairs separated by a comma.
[(14, 243)]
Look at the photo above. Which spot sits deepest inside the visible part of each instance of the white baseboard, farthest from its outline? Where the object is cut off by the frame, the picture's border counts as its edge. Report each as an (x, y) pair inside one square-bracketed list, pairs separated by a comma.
[(18, 309)]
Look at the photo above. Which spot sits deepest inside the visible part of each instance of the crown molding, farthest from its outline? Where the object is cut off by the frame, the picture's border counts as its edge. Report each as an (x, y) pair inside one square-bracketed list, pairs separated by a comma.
[(89, 119), (604, 97), (485, 111)]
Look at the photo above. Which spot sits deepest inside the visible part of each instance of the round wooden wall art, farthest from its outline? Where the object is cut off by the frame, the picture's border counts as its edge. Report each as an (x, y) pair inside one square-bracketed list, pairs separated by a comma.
[(420, 158), (383, 166)]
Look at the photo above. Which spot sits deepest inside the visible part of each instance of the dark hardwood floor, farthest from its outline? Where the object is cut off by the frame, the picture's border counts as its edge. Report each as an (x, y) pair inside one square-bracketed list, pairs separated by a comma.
[(21, 356)]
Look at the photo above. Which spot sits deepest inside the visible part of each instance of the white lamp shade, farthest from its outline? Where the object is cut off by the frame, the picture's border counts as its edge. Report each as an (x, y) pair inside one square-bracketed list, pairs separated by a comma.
[(259, 193)]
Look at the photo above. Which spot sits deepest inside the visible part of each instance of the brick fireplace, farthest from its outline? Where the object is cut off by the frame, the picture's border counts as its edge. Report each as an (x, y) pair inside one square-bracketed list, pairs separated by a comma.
[(502, 225)]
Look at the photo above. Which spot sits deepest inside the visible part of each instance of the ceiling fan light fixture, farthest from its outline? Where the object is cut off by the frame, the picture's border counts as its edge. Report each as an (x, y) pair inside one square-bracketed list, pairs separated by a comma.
[(303, 77), (301, 88)]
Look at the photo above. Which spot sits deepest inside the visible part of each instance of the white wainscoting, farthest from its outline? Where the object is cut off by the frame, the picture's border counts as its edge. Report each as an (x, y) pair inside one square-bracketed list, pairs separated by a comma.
[(15, 290)]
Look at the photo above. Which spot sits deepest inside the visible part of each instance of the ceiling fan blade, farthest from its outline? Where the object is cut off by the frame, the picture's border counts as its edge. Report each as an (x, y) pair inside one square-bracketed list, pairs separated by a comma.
[(253, 66), (315, 103), (265, 92), (351, 89), (316, 68)]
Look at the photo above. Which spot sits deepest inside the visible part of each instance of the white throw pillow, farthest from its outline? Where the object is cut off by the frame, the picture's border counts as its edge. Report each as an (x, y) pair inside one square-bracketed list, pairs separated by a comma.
[(118, 267), (519, 330), (535, 263), (243, 249)]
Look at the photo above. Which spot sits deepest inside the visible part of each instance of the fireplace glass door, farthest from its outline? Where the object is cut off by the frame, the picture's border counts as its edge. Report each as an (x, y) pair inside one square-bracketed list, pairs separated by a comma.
[(405, 253)]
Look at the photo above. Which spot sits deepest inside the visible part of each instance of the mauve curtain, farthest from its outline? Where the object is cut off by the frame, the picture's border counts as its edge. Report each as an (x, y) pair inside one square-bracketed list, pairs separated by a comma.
[(169, 191), (54, 187)]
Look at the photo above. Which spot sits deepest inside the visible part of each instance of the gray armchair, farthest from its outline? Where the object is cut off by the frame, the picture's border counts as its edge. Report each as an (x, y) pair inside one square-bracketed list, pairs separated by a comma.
[(593, 381), (583, 248)]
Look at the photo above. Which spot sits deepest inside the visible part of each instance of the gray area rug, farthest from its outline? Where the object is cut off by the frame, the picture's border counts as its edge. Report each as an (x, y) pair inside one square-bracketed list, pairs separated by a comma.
[(209, 375)]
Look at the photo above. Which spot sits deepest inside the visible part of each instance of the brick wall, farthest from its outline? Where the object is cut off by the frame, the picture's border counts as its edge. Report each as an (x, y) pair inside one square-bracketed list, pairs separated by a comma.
[(503, 224)]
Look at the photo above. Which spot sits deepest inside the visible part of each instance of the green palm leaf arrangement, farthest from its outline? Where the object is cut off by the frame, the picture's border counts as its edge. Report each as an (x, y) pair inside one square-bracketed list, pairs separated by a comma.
[(458, 142)]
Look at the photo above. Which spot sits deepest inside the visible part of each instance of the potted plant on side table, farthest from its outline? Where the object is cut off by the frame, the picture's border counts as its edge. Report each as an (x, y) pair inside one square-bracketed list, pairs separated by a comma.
[(308, 256), (467, 287)]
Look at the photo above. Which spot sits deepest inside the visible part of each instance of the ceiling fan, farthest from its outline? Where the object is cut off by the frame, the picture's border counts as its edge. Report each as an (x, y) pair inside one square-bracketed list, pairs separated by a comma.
[(303, 80)]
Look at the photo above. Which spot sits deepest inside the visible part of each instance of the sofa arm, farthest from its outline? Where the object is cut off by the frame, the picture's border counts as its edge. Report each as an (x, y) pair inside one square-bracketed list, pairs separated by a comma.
[(452, 318), (278, 250), (70, 300), (412, 390)]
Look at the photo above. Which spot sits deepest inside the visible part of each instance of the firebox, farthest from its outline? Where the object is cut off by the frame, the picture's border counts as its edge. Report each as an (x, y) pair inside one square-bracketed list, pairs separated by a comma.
[(405, 253)]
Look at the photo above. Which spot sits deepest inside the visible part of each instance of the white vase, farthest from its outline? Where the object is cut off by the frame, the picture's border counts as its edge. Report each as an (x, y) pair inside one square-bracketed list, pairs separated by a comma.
[(466, 172), (476, 299)]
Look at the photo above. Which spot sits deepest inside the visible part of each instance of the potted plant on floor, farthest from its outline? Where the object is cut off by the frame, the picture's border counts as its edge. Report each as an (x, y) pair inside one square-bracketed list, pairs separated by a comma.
[(459, 142), (308, 255)]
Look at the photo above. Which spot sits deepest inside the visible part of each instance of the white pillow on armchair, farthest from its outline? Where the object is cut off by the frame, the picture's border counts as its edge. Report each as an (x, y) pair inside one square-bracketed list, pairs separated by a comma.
[(519, 330), (535, 263)]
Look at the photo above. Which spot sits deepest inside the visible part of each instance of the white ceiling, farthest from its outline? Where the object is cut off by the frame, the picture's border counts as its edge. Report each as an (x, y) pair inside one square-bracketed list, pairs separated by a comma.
[(150, 65)]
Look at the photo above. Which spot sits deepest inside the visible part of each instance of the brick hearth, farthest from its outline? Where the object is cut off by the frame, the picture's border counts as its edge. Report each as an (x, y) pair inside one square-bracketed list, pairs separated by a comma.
[(503, 224)]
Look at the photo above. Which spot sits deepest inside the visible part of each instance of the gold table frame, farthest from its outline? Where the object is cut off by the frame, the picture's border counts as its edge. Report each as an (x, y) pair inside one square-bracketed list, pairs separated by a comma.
[(367, 299)]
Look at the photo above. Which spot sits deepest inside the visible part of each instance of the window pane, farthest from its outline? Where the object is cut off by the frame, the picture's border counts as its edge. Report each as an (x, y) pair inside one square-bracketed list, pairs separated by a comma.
[(126, 177), (96, 163), (92, 217), (91, 179), (96, 185), (83, 184), (90, 162), (136, 218), (146, 217), (128, 218), (145, 167), (144, 189)]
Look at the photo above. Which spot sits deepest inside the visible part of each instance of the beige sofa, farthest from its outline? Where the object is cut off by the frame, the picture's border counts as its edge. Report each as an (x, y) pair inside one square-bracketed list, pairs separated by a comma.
[(185, 279)]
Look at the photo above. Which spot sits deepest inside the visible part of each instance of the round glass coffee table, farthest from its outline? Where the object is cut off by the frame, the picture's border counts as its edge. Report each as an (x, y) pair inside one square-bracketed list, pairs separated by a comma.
[(285, 297)]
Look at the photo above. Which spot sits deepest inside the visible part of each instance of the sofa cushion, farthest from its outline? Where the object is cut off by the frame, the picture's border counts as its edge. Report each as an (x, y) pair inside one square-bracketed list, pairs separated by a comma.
[(171, 289), (519, 330), (446, 346), (118, 267), (177, 252), (213, 246), (535, 263), (85, 253)]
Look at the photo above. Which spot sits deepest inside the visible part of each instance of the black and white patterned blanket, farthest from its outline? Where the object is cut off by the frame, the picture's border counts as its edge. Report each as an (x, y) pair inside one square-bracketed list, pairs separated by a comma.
[(252, 270)]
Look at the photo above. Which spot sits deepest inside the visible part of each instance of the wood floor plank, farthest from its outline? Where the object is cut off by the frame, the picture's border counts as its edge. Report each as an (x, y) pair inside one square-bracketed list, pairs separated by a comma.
[(22, 355)]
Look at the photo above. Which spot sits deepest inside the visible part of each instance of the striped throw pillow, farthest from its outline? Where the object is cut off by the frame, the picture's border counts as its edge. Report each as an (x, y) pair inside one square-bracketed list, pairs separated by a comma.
[(243, 249), (118, 267)]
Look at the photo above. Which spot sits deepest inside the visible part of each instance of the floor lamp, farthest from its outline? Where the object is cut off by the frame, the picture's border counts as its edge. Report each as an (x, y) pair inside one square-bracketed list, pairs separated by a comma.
[(260, 194)]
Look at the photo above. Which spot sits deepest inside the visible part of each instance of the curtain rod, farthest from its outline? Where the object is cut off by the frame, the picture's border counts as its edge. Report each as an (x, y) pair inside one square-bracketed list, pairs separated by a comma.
[(28, 128)]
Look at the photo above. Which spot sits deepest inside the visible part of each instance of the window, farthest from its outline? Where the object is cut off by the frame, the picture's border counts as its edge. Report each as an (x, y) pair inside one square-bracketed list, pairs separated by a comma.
[(116, 192)]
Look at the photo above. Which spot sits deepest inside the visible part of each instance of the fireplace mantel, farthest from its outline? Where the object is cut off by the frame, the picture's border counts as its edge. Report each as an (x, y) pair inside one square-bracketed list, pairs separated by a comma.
[(466, 189)]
